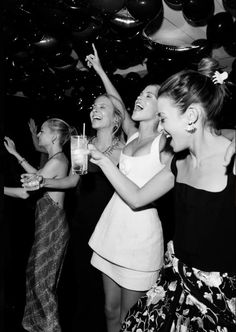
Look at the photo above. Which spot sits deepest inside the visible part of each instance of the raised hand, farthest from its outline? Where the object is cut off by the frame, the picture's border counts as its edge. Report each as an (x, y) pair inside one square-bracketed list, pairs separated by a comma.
[(10, 145), (32, 126), (94, 61)]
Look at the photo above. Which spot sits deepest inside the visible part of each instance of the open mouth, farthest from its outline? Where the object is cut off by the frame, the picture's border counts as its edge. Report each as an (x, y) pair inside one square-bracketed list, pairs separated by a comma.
[(96, 117), (138, 107)]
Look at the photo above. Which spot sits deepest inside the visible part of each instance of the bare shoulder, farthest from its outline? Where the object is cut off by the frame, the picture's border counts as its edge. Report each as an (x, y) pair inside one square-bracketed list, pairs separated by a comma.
[(55, 167)]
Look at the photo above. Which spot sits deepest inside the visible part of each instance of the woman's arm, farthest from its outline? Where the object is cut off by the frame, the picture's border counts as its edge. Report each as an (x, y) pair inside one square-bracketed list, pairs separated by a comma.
[(34, 182), (69, 181), (10, 146), (128, 125), (16, 192), (33, 130), (134, 196)]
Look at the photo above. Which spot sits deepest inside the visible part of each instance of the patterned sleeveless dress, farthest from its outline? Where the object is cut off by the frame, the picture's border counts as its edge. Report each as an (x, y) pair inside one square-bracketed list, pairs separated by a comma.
[(44, 267)]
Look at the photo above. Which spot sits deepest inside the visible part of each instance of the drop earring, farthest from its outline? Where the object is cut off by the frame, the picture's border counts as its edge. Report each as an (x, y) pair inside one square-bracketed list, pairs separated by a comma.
[(190, 128)]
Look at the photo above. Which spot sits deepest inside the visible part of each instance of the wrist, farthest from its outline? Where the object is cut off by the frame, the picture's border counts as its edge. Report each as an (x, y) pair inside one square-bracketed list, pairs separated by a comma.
[(21, 161), (42, 181), (105, 161)]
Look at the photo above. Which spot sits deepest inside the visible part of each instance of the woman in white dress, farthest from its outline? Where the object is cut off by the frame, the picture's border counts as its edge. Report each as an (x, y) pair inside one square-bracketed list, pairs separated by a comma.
[(128, 244)]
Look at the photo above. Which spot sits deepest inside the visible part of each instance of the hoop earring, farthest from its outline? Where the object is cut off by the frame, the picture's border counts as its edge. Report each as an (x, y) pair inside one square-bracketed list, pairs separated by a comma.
[(190, 128)]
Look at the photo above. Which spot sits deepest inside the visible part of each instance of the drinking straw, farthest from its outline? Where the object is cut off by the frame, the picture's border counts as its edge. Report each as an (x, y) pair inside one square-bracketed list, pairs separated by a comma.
[(83, 129)]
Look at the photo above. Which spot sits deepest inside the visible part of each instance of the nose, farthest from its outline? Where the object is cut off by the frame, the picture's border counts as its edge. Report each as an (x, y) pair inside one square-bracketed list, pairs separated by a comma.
[(160, 126)]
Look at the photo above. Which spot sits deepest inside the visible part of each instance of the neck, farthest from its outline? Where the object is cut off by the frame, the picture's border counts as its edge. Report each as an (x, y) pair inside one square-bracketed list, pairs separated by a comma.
[(53, 150), (203, 147), (147, 130), (103, 139)]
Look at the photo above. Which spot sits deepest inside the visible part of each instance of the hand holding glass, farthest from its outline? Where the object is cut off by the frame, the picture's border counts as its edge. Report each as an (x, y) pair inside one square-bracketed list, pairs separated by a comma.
[(79, 154)]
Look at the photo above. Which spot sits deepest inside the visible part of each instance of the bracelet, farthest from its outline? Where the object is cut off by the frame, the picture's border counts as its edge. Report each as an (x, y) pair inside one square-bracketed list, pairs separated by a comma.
[(41, 180), (22, 160)]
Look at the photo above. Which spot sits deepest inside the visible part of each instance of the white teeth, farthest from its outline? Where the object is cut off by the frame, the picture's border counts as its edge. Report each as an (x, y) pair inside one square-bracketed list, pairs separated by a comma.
[(138, 106)]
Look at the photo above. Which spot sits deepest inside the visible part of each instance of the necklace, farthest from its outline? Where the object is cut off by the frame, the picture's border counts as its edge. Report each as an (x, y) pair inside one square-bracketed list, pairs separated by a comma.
[(108, 151), (54, 155)]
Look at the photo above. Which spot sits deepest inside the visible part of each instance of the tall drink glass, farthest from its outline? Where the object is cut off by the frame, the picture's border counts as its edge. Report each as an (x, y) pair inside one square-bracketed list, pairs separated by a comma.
[(79, 154)]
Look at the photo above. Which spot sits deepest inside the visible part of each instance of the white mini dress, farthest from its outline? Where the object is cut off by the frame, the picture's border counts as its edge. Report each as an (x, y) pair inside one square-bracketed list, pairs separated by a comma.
[(127, 243)]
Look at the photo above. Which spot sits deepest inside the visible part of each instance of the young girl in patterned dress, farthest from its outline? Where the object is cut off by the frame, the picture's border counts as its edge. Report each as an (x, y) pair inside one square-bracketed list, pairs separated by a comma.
[(196, 288)]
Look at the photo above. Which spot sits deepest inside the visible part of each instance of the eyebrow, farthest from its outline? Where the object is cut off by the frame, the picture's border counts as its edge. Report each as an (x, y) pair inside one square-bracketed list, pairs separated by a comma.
[(100, 104)]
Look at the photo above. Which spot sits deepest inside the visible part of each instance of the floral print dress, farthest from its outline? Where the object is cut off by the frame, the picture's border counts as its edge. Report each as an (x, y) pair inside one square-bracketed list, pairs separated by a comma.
[(185, 299)]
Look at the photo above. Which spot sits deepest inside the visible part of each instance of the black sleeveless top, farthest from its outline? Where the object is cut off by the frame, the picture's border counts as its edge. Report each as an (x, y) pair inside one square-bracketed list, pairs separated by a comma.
[(205, 230)]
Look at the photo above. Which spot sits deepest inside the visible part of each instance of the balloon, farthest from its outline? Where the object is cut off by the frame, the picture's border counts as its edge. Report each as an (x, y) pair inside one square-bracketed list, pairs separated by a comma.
[(204, 50), (90, 30), (160, 68), (47, 44), (144, 9), (118, 81), (151, 27), (123, 22), (198, 12), (107, 6), (78, 6), (175, 4), (181, 53), (53, 19), (64, 65), (230, 46), (230, 6), (219, 29)]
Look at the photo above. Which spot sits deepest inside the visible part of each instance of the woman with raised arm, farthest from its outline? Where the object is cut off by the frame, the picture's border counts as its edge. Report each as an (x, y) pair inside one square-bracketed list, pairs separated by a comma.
[(128, 244), (195, 290), (51, 231)]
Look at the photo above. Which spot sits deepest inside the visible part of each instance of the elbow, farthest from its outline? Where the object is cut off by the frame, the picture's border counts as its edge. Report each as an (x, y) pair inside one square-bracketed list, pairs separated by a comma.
[(73, 181), (134, 203)]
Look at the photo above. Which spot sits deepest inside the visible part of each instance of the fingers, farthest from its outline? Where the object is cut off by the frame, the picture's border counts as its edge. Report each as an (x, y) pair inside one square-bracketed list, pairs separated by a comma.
[(27, 177), (89, 60), (31, 186), (94, 50), (8, 140)]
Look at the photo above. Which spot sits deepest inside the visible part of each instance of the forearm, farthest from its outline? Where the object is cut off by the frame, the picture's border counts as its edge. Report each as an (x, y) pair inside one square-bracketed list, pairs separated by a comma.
[(63, 183), (109, 87), (133, 195), (24, 163), (16, 192), (122, 185)]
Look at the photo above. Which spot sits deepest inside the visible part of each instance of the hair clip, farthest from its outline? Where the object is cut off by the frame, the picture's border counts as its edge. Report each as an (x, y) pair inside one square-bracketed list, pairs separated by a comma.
[(219, 78)]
